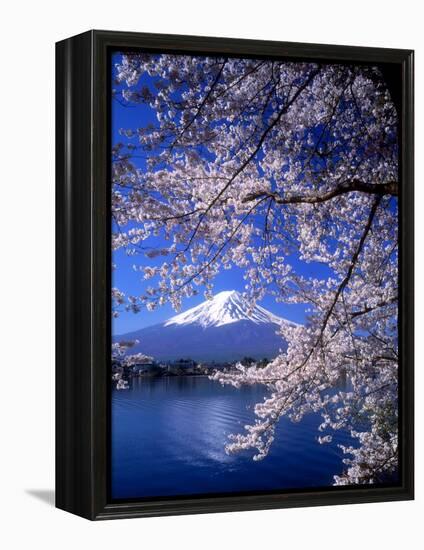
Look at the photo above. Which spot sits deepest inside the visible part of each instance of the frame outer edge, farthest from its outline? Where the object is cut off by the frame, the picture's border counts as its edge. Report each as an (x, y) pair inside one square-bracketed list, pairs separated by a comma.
[(407, 270), (82, 263), (74, 383)]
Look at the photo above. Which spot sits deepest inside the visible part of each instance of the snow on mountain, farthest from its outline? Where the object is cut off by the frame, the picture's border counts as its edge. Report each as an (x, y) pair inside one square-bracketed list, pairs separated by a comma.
[(226, 307), (225, 328)]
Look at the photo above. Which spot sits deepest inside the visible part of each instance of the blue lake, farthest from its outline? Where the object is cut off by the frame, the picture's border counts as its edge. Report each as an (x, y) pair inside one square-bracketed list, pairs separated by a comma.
[(168, 437)]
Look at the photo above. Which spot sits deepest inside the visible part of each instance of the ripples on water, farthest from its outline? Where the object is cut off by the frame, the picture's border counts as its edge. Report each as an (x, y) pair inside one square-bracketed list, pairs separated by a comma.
[(168, 437)]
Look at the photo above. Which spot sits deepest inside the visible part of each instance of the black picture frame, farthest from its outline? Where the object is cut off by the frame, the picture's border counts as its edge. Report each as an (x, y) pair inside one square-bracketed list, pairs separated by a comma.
[(83, 274)]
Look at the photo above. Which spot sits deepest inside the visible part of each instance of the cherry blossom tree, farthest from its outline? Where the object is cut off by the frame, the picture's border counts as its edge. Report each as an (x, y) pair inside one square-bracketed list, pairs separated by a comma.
[(262, 164), (121, 355)]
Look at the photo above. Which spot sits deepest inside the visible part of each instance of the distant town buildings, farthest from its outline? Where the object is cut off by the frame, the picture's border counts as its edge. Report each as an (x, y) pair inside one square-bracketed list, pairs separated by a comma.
[(179, 367)]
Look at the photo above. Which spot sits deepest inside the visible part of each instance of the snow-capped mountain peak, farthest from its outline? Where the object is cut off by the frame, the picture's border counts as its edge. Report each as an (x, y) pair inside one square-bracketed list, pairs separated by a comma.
[(223, 329), (225, 308)]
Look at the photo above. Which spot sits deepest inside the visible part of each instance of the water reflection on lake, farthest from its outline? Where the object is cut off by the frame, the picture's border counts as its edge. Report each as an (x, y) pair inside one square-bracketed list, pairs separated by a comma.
[(168, 437)]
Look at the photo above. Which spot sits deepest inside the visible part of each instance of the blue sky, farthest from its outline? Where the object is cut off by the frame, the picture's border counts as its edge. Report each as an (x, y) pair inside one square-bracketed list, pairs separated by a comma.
[(131, 282)]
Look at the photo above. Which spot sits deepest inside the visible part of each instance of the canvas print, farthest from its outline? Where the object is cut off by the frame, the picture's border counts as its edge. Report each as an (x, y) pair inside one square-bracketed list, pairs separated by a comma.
[(254, 234)]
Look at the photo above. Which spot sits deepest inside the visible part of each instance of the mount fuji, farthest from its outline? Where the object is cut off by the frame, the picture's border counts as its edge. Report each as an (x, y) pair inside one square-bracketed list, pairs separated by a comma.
[(225, 328)]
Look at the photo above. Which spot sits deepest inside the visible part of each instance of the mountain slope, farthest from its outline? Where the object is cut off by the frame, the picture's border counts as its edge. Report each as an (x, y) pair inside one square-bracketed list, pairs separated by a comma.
[(221, 329)]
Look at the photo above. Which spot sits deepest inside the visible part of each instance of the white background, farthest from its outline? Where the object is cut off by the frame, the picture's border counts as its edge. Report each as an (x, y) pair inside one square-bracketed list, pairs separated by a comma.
[(28, 33)]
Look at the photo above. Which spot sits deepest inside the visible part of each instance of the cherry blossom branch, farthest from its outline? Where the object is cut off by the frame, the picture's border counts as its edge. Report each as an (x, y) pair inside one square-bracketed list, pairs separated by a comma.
[(352, 264), (202, 104), (253, 154)]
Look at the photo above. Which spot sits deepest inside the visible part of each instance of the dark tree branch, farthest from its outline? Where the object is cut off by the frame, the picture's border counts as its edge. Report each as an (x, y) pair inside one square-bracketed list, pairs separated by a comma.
[(389, 188), (342, 285), (352, 265)]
